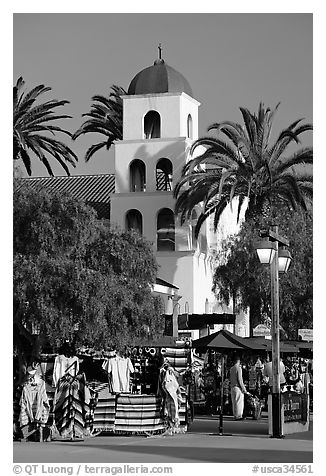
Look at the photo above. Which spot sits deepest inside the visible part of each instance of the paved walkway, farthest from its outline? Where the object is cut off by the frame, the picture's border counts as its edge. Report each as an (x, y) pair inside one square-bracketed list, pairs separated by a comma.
[(249, 443)]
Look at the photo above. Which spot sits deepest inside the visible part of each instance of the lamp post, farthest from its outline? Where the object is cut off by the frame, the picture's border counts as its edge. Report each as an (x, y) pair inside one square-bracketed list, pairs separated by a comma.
[(279, 261)]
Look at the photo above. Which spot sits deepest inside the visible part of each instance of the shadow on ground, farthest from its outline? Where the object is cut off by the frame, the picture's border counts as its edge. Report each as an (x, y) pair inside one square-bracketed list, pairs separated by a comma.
[(213, 455)]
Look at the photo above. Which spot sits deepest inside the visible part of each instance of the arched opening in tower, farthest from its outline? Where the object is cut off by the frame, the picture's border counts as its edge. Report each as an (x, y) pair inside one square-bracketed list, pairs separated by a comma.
[(134, 221), (165, 230), (164, 173), (152, 125), (190, 133), (137, 176)]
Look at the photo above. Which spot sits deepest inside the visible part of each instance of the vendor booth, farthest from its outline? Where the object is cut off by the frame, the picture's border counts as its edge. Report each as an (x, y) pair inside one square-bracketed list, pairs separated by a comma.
[(219, 349), (72, 397), (223, 344)]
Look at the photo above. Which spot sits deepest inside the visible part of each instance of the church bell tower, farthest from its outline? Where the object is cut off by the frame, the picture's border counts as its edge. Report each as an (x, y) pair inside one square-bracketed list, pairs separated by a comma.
[(160, 122)]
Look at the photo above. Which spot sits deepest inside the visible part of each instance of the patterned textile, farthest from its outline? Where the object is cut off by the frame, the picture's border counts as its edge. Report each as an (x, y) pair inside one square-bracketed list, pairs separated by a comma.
[(45, 371), (183, 407), (169, 391), (71, 406), (138, 413), (104, 411), (50, 393), (34, 406), (64, 365), (178, 358)]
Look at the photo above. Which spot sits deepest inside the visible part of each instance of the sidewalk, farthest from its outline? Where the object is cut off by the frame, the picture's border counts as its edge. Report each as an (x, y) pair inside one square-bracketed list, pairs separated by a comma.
[(248, 443)]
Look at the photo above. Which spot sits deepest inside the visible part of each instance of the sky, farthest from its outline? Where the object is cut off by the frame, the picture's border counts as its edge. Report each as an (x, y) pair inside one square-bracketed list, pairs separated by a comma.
[(229, 59)]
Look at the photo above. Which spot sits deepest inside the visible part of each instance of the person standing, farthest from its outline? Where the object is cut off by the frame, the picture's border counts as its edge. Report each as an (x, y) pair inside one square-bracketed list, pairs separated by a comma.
[(268, 374), (237, 389)]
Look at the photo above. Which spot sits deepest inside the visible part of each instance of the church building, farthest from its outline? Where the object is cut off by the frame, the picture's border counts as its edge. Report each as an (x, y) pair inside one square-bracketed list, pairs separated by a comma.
[(160, 122)]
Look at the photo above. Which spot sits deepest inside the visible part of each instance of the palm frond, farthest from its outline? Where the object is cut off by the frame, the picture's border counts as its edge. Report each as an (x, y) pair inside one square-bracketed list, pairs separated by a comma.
[(245, 166), (302, 157), (94, 148), (104, 117), (26, 160), (30, 117)]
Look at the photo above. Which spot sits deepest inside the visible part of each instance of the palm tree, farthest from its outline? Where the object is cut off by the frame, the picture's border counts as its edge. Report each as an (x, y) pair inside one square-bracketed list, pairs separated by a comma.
[(105, 117), (30, 119), (249, 166)]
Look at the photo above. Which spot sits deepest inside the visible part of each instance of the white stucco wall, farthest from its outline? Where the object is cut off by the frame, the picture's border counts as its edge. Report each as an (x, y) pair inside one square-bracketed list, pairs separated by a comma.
[(150, 151), (191, 272), (203, 281), (172, 107), (149, 204), (177, 268)]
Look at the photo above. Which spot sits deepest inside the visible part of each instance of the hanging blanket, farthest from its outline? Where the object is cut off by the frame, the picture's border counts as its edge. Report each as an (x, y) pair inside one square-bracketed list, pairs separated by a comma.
[(104, 412), (71, 407), (34, 407), (178, 358), (138, 413), (183, 407)]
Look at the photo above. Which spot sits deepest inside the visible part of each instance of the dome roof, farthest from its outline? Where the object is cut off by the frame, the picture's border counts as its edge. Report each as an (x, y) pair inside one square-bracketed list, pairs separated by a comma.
[(159, 78)]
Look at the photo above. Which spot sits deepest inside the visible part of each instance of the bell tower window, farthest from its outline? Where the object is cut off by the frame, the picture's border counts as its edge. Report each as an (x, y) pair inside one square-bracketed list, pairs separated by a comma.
[(152, 125), (189, 127), (134, 221), (165, 230), (137, 176), (164, 172)]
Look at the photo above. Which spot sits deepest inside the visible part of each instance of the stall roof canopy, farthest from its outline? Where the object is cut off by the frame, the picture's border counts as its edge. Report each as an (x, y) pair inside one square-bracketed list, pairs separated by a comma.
[(285, 347), (301, 344), (226, 340)]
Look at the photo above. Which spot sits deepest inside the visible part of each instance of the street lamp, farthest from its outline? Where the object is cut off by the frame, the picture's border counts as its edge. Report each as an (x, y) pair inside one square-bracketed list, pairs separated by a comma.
[(284, 260), (266, 251), (279, 260)]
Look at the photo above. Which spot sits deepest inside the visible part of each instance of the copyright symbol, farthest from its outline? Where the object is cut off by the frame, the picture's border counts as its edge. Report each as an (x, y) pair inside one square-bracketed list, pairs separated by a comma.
[(17, 469)]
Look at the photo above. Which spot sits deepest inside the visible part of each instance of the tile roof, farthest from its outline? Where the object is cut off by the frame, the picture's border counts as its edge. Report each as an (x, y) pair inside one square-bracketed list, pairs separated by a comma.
[(93, 189)]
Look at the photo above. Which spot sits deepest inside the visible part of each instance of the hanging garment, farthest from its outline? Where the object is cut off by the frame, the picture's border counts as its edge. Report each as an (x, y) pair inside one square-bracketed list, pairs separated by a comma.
[(62, 365), (45, 372), (119, 368), (34, 406), (169, 390), (104, 412), (71, 407)]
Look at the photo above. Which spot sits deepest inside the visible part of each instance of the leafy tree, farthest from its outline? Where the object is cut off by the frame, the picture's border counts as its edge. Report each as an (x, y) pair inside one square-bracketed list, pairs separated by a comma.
[(30, 119), (105, 118), (247, 165), (239, 276), (77, 279)]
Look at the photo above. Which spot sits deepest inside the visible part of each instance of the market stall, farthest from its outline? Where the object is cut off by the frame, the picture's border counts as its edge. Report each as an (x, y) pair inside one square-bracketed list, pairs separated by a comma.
[(255, 353), (224, 344), (90, 392)]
